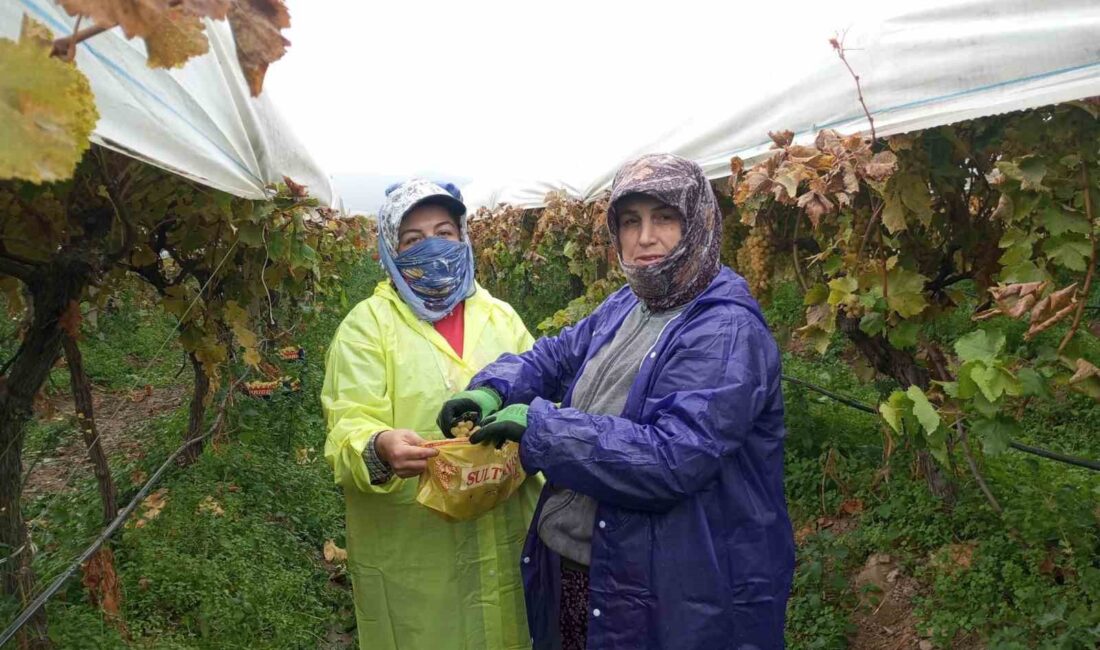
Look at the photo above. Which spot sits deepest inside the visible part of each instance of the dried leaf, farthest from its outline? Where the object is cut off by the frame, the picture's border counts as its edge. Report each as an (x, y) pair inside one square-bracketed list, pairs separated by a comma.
[(829, 140), (216, 9), (101, 581), (1043, 326), (209, 504), (815, 205), (152, 505), (852, 506), (954, 557), (303, 455), (1084, 371), (334, 553), (178, 37), (47, 111), (256, 26), (737, 166), (135, 17), (1063, 297), (1014, 300), (1049, 310), (296, 189), (881, 166), (781, 138)]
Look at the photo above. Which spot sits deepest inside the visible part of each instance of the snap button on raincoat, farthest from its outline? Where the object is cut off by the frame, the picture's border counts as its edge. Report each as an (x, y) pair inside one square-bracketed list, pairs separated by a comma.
[(421, 582), (694, 548)]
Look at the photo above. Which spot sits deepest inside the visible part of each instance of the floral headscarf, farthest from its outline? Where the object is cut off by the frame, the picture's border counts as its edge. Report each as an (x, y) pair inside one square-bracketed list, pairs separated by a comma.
[(693, 263), (434, 275)]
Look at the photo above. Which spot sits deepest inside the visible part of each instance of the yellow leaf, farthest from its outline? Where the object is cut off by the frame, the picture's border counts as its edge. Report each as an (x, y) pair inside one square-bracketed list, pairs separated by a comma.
[(179, 36), (32, 30), (334, 553), (47, 112), (210, 505), (252, 357)]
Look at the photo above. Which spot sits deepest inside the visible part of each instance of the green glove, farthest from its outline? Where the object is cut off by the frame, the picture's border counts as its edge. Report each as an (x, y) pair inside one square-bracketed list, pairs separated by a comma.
[(469, 405), (506, 425)]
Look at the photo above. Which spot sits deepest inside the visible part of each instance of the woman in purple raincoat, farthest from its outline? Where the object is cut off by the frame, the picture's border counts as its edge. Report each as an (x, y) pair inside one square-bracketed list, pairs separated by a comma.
[(663, 524)]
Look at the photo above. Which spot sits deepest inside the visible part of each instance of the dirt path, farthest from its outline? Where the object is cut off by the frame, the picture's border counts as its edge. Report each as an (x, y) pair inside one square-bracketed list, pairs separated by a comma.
[(117, 413)]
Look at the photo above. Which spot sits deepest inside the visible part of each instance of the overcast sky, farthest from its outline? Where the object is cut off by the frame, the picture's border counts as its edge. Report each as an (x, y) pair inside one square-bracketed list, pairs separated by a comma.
[(495, 89)]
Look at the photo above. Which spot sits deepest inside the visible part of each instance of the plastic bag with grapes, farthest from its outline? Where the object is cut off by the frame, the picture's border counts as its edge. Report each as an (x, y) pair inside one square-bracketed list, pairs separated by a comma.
[(465, 481)]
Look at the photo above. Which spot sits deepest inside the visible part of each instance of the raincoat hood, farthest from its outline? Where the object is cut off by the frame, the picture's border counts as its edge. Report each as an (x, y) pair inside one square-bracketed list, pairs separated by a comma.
[(693, 263)]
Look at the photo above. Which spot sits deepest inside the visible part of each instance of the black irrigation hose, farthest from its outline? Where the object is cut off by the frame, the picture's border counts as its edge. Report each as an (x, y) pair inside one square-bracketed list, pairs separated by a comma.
[(859, 406), (1027, 449), (1052, 455)]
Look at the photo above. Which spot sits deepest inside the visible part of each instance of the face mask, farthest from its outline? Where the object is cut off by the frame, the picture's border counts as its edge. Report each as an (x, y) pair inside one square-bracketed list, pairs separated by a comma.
[(433, 276)]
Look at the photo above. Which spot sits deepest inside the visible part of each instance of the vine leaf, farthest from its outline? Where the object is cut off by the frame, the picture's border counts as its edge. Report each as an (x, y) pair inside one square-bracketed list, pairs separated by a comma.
[(47, 111), (881, 166), (993, 381), (923, 410), (237, 317), (893, 215), (893, 409), (135, 17), (980, 345), (906, 292), (995, 433), (1071, 250), (179, 36), (256, 29), (1059, 222)]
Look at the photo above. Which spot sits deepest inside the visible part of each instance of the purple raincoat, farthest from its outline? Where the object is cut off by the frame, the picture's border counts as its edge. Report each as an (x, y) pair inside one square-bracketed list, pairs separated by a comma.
[(692, 548)]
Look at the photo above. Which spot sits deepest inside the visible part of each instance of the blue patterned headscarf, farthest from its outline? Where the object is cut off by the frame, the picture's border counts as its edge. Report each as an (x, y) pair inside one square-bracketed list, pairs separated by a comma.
[(436, 274)]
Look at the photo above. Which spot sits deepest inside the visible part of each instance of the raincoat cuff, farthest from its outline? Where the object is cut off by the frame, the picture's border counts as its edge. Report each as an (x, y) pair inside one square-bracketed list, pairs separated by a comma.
[(532, 445)]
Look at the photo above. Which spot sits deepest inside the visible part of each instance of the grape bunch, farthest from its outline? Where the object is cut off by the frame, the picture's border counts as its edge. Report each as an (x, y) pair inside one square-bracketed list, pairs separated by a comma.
[(756, 259), (465, 427)]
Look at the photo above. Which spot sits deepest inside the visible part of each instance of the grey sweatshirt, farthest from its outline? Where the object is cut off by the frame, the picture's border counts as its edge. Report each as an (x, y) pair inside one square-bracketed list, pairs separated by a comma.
[(568, 517)]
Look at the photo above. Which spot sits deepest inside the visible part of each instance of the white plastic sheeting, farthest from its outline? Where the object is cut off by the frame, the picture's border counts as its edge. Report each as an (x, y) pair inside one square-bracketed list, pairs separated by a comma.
[(926, 63), (197, 121)]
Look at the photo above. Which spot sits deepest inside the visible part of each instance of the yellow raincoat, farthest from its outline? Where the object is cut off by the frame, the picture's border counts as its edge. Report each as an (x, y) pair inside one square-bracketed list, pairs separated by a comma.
[(421, 583)]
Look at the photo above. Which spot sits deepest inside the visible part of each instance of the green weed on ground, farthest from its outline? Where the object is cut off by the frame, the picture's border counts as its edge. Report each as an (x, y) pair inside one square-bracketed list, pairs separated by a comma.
[(234, 557)]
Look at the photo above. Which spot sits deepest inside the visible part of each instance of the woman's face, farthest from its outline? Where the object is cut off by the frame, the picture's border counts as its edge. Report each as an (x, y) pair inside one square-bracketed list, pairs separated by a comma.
[(423, 222), (648, 229)]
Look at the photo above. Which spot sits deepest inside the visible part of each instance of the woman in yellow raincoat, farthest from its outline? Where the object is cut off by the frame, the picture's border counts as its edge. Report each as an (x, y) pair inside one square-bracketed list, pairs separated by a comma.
[(420, 582)]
